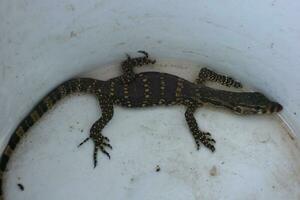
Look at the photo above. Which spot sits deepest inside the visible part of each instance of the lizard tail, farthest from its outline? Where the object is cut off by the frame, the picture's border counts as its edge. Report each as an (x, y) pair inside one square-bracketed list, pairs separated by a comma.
[(75, 85)]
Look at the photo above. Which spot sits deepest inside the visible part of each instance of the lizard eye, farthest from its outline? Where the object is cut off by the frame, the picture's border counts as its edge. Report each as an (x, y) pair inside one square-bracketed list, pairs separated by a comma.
[(238, 109)]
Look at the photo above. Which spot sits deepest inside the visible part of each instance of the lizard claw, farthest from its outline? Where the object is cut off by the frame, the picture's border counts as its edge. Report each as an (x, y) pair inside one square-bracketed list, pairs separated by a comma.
[(106, 138), (107, 144), (100, 142), (96, 148), (146, 58), (84, 141), (206, 140), (138, 61), (143, 52)]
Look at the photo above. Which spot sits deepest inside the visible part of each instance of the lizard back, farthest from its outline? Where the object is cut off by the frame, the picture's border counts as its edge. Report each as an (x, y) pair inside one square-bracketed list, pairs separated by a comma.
[(150, 89)]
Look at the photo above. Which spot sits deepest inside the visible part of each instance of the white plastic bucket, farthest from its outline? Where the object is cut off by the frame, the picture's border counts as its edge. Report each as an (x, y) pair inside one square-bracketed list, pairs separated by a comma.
[(43, 43)]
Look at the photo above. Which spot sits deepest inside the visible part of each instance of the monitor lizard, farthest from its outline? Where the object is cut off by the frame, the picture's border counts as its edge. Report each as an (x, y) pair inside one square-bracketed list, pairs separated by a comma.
[(145, 89)]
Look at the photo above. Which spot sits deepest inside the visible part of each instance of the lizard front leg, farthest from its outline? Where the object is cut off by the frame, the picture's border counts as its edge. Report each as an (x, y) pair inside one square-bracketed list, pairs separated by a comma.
[(100, 141), (128, 65), (209, 75), (199, 136)]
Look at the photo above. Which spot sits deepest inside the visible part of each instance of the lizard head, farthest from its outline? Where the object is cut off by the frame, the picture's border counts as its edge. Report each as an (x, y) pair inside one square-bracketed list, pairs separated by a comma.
[(239, 102), (254, 103)]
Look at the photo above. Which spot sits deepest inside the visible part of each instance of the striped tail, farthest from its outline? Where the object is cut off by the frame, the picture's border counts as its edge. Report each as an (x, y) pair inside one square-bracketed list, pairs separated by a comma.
[(76, 85)]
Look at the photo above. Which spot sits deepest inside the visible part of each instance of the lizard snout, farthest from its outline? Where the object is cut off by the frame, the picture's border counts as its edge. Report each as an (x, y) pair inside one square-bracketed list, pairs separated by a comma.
[(275, 107)]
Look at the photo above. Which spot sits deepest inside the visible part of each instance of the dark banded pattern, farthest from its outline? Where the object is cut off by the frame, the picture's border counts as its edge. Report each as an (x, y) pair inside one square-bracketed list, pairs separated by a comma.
[(141, 90), (85, 85)]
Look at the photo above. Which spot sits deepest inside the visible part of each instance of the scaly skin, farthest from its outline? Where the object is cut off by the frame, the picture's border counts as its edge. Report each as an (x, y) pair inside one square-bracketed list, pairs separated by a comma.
[(144, 90)]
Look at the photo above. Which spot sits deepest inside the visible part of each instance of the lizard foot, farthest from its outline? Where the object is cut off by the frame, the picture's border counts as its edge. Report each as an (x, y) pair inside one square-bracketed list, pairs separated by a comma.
[(205, 139), (231, 82), (139, 61), (146, 57), (100, 142)]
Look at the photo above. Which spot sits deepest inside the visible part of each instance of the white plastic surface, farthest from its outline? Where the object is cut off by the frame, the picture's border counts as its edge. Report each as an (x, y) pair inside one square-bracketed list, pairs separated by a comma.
[(43, 43)]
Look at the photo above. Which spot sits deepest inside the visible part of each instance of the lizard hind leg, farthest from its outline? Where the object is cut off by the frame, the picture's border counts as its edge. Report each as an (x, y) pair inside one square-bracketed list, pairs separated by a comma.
[(128, 65), (209, 75), (100, 142)]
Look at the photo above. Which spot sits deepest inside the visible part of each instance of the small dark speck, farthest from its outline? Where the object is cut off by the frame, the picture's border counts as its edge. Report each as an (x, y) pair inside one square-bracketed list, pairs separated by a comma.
[(295, 113), (132, 179), (157, 168), (21, 187), (73, 34), (77, 122), (272, 45), (213, 171), (159, 41), (81, 130), (222, 163)]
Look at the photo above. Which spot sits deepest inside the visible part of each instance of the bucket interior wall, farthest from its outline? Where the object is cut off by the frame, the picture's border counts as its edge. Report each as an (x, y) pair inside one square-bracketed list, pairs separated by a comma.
[(45, 43)]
